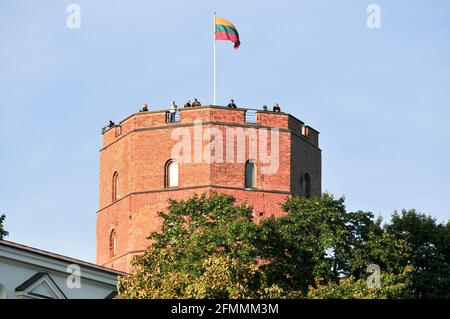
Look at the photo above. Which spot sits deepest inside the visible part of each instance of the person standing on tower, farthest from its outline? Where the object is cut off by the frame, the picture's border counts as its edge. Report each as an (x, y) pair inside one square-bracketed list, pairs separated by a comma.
[(144, 108), (196, 103), (172, 111), (232, 105)]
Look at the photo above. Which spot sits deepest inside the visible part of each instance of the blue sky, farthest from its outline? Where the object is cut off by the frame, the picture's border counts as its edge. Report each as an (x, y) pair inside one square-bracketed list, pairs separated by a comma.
[(379, 97)]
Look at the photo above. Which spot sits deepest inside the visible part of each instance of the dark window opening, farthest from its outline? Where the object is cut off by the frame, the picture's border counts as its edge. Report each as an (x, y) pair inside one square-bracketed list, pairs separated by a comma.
[(307, 186), (250, 174), (115, 187), (112, 243)]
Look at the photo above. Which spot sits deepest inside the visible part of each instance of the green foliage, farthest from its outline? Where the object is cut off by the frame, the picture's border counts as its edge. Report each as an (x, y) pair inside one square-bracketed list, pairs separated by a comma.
[(209, 247), (319, 239), (205, 250), (429, 243), (220, 277), (202, 226), (393, 286), (3, 232)]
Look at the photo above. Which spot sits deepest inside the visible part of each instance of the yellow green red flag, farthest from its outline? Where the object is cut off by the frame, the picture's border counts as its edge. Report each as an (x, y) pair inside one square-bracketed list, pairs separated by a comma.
[(225, 30)]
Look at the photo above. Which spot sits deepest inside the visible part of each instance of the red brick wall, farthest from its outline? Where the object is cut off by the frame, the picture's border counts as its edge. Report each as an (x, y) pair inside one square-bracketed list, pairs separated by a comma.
[(139, 155), (135, 217)]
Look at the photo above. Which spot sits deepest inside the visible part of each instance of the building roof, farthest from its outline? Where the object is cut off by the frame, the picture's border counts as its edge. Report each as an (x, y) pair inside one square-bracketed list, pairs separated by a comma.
[(27, 285), (58, 257)]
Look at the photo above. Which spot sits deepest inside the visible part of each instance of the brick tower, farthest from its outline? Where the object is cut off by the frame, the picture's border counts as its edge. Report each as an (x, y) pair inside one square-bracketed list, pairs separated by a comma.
[(138, 171)]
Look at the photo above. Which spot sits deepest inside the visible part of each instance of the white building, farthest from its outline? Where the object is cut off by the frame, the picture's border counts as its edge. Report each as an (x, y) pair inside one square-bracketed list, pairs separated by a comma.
[(27, 272)]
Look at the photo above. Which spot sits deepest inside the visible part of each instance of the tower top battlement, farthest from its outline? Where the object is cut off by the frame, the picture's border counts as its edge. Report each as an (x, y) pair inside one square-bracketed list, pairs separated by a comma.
[(211, 114)]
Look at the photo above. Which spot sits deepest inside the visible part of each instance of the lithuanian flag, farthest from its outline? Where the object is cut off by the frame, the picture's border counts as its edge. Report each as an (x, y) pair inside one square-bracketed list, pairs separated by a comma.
[(225, 30)]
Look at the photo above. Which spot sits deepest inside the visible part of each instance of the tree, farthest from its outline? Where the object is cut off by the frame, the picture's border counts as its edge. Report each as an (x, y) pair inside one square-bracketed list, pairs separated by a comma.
[(209, 247), (205, 250), (393, 286), (3, 232), (319, 239), (429, 243)]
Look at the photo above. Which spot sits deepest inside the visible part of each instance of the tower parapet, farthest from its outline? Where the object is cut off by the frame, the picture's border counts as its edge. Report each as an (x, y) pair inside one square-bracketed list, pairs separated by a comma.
[(159, 119)]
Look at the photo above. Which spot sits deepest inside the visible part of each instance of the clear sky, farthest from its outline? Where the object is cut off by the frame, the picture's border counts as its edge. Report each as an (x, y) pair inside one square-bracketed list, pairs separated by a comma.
[(379, 97)]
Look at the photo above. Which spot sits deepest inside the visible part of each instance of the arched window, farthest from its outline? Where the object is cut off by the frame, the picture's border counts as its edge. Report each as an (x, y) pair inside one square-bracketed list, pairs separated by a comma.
[(250, 174), (112, 243), (171, 174), (307, 186), (115, 187)]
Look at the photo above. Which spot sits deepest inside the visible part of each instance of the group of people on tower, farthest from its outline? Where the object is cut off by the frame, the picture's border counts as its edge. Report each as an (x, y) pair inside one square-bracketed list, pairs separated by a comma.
[(193, 104), (196, 103)]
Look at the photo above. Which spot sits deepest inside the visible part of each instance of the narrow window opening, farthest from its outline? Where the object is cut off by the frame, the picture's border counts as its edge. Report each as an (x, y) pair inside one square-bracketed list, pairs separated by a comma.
[(250, 174), (115, 187), (307, 186), (112, 243)]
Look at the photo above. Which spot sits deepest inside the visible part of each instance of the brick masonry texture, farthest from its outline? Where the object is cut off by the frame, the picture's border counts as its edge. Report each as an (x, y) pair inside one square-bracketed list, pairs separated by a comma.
[(139, 147)]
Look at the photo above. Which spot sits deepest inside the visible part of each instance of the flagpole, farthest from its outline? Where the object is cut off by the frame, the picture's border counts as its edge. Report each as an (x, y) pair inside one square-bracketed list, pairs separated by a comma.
[(214, 39)]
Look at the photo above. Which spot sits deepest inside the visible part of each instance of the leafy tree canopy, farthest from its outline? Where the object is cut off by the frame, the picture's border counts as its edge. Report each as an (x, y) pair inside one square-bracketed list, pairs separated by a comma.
[(319, 239), (209, 247), (205, 250), (429, 245)]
